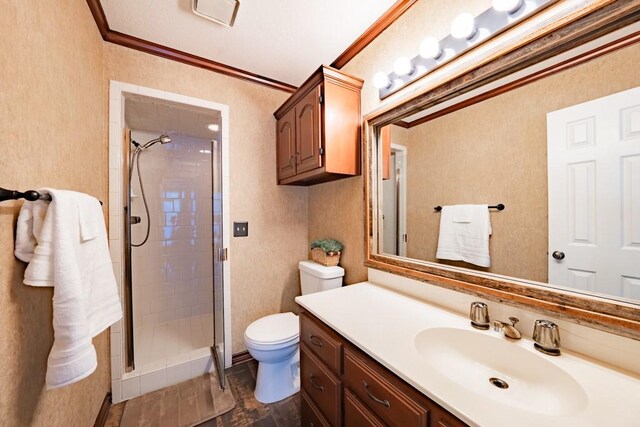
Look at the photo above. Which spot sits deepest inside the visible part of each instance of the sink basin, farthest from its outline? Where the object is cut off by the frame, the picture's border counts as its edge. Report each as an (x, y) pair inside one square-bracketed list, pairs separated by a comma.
[(498, 369)]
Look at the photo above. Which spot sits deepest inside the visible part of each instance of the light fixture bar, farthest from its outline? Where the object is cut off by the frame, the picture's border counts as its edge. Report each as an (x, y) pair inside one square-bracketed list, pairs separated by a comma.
[(487, 25)]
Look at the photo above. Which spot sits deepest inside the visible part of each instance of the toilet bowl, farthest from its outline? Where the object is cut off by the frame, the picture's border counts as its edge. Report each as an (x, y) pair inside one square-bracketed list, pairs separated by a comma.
[(274, 340)]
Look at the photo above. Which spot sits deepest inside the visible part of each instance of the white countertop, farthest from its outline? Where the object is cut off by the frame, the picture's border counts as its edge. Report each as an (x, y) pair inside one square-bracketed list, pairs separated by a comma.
[(384, 324)]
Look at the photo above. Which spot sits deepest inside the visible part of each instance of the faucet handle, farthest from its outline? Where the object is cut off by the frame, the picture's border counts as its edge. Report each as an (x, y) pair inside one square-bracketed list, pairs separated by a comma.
[(479, 315), (513, 320), (546, 335)]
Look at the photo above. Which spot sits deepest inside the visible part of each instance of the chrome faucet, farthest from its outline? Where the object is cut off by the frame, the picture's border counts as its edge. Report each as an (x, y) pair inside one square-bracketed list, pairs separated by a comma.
[(546, 335), (479, 315), (510, 331)]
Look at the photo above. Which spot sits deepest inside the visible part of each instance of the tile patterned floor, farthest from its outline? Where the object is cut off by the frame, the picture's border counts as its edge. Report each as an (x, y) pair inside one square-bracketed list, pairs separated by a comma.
[(248, 411)]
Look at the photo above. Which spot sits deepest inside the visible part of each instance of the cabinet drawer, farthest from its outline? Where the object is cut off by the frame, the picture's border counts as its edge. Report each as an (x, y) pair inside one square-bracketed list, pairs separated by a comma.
[(380, 394), (322, 342), (356, 413), (320, 385), (310, 416)]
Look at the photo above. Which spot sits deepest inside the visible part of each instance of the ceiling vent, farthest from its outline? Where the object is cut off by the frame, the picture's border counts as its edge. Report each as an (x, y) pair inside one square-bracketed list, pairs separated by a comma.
[(221, 11)]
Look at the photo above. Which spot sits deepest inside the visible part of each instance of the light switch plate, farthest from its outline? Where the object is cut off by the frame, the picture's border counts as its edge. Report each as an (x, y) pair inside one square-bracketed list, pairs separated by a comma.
[(240, 229)]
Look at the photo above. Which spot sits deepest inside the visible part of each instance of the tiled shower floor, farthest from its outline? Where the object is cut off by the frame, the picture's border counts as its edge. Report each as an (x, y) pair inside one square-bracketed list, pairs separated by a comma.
[(173, 342)]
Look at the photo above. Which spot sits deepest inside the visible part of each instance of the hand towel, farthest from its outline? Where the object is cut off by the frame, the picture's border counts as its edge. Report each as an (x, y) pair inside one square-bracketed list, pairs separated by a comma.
[(85, 297), (464, 234), (30, 221)]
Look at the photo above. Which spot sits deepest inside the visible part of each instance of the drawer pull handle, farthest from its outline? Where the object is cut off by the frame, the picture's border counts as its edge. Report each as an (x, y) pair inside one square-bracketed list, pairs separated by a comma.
[(384, 402), (313, 379), (318, 342)]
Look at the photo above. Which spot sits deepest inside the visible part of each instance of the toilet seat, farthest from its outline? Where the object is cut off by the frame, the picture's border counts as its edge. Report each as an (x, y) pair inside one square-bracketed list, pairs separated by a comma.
[(274, 330)]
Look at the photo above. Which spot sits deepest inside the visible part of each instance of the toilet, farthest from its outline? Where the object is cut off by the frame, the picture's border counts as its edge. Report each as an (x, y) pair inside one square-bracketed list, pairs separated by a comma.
[(274, 340)]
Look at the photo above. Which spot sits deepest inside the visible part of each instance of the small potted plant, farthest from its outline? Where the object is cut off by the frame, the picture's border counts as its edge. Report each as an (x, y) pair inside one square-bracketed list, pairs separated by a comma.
[(326, 251)]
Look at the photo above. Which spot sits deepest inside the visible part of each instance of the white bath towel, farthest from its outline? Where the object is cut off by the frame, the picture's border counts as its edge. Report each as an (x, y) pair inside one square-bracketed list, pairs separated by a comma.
[(71, 255), (464, 234)]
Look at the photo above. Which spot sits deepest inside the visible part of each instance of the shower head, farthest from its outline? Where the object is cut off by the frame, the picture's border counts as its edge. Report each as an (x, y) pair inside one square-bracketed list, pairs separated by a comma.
[(162, 139)]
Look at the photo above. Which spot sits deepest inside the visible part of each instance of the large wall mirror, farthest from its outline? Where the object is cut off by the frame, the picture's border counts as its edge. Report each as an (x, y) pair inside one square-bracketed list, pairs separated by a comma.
[(520, 182)]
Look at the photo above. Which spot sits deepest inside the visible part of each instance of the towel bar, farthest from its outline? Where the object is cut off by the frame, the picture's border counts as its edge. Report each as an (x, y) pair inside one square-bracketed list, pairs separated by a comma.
[(30, 195), (499, 206)]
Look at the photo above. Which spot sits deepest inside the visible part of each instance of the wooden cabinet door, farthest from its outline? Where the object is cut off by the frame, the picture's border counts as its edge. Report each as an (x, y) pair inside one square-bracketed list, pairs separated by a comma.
[(308, 140), (286, 145)]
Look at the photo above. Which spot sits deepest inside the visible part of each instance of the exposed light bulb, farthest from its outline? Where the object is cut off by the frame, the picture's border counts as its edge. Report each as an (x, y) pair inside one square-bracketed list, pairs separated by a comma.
[(430, 48), (463, 26), (381, 80), (402, 66), (213, 127), (509, 6)]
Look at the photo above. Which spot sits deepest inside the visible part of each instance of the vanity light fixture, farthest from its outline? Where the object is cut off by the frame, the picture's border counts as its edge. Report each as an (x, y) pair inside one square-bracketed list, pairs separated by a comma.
[(509, 6), (381, 80), (213, 127), (467, 31), (402, 66), (464, 26), (430, 48)]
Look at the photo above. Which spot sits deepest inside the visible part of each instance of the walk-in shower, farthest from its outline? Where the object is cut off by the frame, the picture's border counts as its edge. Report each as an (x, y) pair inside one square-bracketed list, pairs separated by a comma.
[(172, 211)]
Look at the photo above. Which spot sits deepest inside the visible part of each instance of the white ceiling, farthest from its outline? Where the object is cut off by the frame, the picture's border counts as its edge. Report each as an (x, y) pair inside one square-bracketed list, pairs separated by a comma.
[(285, 40)]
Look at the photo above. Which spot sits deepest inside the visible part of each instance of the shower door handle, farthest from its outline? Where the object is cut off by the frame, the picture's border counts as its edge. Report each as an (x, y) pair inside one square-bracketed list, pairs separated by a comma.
[(135, 220)]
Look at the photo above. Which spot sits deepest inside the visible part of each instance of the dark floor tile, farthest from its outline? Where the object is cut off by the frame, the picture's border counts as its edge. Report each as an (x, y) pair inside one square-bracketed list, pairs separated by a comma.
[(241, 380), (286, 413)]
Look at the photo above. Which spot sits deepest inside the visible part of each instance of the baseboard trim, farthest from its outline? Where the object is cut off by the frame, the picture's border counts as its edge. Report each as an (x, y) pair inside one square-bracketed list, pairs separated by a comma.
[(101, 419), (241, 357)]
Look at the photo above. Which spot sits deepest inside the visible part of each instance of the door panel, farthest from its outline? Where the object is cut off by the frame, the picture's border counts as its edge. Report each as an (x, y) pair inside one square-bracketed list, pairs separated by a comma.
[(308, 119), (218, 349), (594, 195), (286, 145)]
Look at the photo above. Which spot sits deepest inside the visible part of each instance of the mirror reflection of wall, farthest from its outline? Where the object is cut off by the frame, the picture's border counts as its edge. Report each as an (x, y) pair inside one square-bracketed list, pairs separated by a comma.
[(495, 151)]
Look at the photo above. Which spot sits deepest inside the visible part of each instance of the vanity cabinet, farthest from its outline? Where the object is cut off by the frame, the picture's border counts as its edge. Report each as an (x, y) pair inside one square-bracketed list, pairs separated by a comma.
[(318, 130), (343, 386)]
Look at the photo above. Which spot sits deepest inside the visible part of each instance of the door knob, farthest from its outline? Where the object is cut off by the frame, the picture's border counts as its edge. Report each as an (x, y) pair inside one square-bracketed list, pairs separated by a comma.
[(558, 255)]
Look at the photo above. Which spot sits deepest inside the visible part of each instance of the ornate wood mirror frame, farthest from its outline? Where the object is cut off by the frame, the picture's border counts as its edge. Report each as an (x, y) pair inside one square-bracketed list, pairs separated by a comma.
[(594, 20)]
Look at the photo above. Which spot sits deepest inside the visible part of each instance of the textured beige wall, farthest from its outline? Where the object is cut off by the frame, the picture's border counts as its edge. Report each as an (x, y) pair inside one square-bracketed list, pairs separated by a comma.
[(52, 134), (496, 152), (264, 270), (336, 209)]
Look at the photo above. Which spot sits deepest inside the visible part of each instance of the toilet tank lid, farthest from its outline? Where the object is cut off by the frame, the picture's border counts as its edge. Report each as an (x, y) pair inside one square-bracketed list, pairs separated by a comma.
[(320, 271)]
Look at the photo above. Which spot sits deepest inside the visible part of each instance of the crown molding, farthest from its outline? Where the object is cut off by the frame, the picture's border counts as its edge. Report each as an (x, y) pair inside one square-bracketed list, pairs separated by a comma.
[(389, 17), (146, 46)]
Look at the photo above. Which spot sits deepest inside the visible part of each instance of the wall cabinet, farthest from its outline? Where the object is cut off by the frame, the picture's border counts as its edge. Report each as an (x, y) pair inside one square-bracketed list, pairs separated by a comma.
[(343, 386), (318, 130)]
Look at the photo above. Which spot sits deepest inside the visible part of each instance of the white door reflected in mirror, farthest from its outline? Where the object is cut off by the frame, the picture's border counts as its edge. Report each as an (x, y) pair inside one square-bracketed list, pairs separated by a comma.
[(594, 195)]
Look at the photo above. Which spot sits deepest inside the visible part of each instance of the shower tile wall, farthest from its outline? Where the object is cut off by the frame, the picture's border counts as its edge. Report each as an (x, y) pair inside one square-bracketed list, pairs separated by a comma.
[(172, 272)]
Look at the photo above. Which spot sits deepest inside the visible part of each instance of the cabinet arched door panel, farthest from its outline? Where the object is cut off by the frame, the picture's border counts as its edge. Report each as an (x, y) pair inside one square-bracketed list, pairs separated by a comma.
[(286, 143), (308, 120)]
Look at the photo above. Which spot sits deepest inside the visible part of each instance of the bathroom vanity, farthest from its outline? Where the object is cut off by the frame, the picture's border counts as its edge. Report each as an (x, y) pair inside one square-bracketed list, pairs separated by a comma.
[(342, 385), (371, 356)]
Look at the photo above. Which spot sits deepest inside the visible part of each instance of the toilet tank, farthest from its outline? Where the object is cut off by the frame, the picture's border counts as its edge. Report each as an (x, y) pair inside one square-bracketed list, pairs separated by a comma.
[(315, 277)]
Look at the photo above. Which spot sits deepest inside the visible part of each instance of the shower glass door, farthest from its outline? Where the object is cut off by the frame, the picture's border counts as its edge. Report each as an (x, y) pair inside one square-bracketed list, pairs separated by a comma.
[(219, 256)]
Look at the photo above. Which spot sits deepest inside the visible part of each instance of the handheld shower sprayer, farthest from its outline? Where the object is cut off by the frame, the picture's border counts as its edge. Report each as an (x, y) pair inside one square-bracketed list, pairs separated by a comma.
[(135, 160)]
